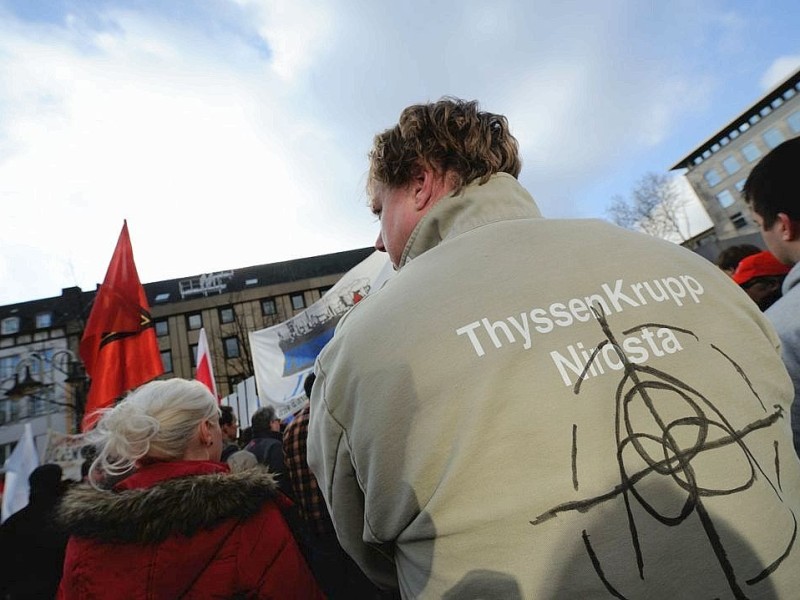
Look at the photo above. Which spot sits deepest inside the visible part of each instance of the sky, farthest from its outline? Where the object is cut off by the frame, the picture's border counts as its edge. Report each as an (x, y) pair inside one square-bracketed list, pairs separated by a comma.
[(232, 133)]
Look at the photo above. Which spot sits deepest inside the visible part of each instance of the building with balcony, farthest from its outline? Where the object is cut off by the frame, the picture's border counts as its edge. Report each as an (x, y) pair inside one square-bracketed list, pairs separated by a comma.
[(718, 167), (39, 339)]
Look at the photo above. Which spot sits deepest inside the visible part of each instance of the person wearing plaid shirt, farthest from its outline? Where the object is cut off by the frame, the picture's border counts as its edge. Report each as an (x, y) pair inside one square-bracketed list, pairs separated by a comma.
[(304, 485)]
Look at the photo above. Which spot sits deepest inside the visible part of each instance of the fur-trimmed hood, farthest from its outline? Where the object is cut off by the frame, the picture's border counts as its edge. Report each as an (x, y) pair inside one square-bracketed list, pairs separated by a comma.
[(182, 505)]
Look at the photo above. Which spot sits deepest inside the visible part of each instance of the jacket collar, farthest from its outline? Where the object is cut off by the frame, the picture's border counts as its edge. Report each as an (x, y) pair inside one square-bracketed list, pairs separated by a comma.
[(155, 472), (180, 505), (501, 198)]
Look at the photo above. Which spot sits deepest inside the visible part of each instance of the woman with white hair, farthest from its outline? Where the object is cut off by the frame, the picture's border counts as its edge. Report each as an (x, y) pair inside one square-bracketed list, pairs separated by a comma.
[(180, 525)]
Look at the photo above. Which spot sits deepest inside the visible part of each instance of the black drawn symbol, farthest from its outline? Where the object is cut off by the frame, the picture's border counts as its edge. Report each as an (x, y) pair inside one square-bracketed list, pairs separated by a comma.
[(662, 425)]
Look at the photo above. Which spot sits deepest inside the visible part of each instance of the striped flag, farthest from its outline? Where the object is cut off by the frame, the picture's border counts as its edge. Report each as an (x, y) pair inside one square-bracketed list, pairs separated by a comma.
[(205, 370)]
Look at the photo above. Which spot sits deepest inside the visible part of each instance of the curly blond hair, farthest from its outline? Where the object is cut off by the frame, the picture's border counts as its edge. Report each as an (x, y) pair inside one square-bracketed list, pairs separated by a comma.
[(453, 136)]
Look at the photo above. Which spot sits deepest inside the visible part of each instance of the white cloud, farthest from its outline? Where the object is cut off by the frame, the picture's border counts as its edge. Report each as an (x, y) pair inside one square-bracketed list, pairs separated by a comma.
[(203, 161), (237, 134), (294, 30), (779, 70)]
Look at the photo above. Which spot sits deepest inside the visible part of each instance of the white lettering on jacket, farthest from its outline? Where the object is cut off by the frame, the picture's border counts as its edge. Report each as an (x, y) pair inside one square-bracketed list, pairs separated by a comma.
[(485, 333), (636, 349)]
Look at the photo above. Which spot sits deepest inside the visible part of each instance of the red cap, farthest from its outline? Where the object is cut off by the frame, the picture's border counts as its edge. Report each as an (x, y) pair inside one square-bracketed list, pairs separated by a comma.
[(763, 264)]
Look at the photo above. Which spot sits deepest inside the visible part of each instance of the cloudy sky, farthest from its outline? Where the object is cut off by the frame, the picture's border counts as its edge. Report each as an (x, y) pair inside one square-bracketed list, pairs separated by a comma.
[(231, 133)]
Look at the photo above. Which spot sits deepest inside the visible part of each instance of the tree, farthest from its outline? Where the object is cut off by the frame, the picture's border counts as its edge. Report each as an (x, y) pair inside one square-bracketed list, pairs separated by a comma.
[(239, 368), (656, 207)]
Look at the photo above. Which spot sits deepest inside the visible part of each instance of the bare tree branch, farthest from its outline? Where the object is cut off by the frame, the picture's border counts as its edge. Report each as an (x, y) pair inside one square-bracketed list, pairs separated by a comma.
[(655, 207)]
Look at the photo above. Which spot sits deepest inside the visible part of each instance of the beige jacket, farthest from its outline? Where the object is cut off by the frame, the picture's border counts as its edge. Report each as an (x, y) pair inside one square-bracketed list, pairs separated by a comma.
[(542, 408)]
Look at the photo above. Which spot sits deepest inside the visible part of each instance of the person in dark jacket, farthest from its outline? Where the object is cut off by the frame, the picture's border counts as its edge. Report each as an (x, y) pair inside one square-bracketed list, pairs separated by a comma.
[(181, 525), (267, 445), (31, 543), (230, 431)]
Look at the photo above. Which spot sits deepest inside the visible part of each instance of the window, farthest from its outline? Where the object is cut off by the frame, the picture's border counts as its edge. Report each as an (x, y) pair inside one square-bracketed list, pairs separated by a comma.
[(715, 147), (794, 121), (194, 321), (9, 325), (754, 119), (777, 102), (268, 307), (193, 354), (738, 220), (734, 134), (44, 320), (298, 301), (751, 152), (712, 177), (725, 198), (250, 282), (45, 365), (324, 290), (166, 360), (731, 165), (162, 297), (231, 347), (724, 141), (226, 314), (773, 137), (765, 111), (162, 328), (740, 185), (8, 365), (789, 94), (707, 154), (744, 127)]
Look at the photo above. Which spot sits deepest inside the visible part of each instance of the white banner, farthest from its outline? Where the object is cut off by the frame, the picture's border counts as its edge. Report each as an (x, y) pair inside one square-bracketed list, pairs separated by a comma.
[(283, 355), (18, 467)]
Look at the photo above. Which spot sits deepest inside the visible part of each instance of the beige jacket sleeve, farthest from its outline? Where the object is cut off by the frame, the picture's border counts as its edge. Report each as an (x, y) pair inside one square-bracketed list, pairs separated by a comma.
[(331, 459)]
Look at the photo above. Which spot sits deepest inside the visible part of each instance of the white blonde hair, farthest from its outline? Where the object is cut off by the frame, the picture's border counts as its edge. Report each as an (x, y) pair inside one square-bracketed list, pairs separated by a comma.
[(156, 420)]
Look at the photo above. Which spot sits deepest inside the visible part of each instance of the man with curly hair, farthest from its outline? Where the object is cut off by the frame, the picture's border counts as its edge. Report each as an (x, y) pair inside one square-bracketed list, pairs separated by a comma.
[(537, 408)]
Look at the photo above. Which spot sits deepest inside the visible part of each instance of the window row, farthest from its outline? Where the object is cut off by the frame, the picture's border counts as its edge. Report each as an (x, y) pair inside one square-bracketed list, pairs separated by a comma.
[(11, 325), (772, 137), (230, 347), (793, 120), (227, 314)]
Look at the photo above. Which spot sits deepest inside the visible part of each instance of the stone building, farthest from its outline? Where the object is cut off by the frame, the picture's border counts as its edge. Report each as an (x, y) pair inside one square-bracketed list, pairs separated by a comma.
[(41, 377), (718, 168)]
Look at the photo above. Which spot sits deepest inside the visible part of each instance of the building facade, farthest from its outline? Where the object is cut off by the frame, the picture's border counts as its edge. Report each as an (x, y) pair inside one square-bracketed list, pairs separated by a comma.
[(40, 378), (39, 339), (718, 168)]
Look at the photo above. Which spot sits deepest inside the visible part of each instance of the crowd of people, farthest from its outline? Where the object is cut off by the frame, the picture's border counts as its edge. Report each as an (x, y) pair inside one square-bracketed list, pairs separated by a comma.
[(620, 421)]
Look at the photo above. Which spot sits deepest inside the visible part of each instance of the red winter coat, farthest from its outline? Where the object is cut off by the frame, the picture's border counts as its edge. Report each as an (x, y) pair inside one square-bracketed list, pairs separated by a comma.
[(185, 529)]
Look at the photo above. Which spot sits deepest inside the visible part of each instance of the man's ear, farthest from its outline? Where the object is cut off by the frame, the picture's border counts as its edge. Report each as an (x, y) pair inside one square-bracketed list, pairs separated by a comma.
[(789, 229), (423, 183)]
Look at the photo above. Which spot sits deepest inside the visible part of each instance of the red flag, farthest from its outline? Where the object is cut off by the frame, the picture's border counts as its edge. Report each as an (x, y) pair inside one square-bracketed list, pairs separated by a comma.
[(205, 371), (118, 346)]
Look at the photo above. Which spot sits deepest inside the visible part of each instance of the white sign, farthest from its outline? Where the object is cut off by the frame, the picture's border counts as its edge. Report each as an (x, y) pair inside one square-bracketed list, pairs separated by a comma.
[(283, 355)]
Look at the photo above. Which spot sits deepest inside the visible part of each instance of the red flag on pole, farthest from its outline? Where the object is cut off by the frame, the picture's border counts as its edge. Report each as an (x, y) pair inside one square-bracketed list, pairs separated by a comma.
[(118, 346), (205, 370)]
